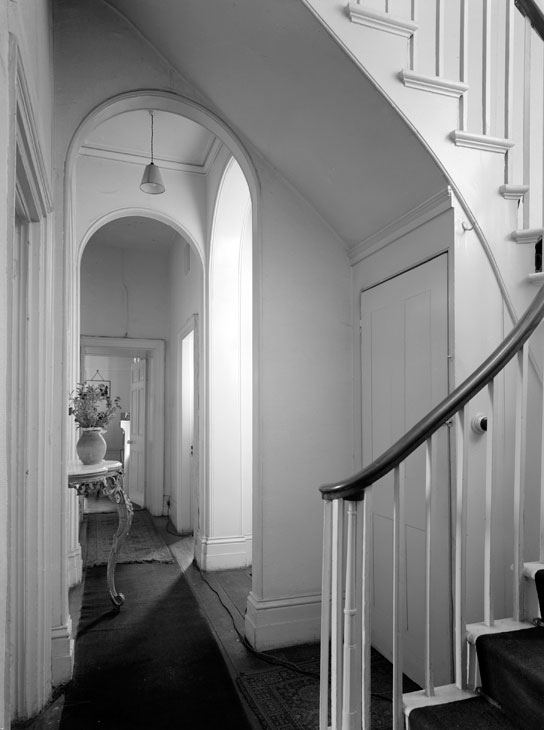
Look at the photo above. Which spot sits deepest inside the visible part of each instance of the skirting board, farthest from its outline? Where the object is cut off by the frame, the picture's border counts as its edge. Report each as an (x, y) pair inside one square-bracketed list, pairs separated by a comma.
[(75, 567), (62, 654), (283, 622), (224, 553)]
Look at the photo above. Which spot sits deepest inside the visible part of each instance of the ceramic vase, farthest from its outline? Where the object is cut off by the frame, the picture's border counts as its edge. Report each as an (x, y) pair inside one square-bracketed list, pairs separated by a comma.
[(91, 446)]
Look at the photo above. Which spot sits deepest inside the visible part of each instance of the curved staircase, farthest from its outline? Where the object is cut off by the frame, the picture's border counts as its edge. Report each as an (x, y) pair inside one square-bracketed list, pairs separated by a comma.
[(467, 76)]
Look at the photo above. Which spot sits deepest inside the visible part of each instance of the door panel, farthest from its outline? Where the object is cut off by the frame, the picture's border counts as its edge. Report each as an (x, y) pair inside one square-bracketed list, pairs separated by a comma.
[(136, 464), (404, 341)]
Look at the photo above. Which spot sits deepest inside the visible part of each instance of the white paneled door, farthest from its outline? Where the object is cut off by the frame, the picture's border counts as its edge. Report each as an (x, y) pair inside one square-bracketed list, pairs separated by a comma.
[(136, 464), (404, 341)]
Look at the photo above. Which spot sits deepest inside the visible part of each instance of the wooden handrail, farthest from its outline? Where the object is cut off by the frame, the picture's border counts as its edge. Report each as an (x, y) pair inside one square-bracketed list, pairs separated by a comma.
[(353, 488), (530, 10)]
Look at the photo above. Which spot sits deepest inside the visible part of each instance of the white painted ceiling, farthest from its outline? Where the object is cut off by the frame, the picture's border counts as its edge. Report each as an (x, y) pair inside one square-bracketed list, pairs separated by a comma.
[(175, 139), (276, 76), (136, 233)]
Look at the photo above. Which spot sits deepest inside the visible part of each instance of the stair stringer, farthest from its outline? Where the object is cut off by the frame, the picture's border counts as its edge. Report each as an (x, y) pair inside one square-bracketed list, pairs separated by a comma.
[(476, 176)]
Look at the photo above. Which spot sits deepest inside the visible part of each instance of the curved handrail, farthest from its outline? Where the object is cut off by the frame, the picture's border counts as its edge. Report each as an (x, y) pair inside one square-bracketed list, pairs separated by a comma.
[(353, 488), (530, 10)]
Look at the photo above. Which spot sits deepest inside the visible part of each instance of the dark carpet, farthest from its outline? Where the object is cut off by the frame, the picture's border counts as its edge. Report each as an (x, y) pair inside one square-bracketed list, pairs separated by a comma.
[(472, 714), (284, 699), (142, 544), (512, 671), (153, 664)]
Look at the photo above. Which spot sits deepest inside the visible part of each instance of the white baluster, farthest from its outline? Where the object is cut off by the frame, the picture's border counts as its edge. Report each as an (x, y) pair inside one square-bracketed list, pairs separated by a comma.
[(439, 53), (489, 480), (336, 612), (350, 613), (509, 85), (463, 62), (366, 588), (519, 478), (399, 578), (429, 686), (527, 124), (326, 584), (459, 622), (486, 69)]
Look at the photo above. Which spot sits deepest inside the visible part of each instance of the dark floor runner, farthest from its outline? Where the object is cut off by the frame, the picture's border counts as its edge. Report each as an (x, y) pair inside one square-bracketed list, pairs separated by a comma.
[(473, 714), (155, 664), (512, 670)]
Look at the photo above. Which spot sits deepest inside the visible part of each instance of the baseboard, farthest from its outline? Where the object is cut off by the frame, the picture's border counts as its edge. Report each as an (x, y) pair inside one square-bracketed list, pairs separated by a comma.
[(62, 653), (75, 567), (283, 622), (223, 553)]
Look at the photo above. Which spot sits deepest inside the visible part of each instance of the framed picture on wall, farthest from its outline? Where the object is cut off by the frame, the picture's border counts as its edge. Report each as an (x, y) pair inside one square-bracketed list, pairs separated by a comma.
[(104, 384)]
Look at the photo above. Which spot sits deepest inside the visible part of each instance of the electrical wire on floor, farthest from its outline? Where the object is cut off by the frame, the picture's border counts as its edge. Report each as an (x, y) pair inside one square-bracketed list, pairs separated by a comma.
[(261, 655), (267, 657)]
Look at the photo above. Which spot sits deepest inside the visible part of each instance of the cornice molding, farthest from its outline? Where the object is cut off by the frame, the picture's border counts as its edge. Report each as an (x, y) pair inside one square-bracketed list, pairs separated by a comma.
[(433, 84), (527, 235), (481, 141), (417, 217), (513, 192), (105, 152), (380, 21)]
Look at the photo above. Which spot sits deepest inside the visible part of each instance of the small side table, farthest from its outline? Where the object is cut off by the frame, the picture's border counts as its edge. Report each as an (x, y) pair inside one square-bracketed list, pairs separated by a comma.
[(105, 478)]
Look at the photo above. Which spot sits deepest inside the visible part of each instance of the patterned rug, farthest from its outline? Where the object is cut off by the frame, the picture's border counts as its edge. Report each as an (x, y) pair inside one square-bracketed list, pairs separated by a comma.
[(284, 699), (142, 545)]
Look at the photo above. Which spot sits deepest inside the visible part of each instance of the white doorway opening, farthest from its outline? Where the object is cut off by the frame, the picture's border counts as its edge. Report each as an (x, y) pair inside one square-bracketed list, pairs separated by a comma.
[(184, 499)]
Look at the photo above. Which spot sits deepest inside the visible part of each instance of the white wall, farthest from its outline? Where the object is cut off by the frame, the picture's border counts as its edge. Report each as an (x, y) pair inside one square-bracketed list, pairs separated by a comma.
[(304, 418), (117, 370), (124, 293)]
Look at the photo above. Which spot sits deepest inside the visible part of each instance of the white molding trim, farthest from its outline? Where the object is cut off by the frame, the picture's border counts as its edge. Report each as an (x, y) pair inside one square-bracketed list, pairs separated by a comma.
[(417, 217), (105, 152), (154, 350), (282, 622), (527, 235), (513, 192), (380, 21), (443, 695), (536, 279), (433, 84), (481, 142), (62, 653), (224, 553), (29, 148)]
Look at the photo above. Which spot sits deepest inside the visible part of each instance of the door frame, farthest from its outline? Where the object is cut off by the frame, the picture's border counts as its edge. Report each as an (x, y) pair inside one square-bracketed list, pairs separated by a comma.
[(190, 326), (154, 352)]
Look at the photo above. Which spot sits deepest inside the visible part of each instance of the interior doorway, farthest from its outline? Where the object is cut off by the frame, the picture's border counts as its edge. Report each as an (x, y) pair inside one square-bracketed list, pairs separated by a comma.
[(184, 499), (135, 369)]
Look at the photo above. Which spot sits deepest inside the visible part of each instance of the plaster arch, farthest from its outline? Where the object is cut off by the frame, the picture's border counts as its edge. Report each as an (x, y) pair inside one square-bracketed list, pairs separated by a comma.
[(75, 241), (168, 102), (116, 214)]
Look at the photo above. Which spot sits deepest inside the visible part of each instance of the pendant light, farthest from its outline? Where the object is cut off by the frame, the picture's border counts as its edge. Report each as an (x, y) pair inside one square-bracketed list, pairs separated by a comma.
[(152, 178)]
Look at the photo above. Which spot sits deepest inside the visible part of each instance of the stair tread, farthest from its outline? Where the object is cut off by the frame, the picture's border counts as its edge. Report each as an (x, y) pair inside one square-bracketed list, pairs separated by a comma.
[(512, 672), (472, 714)]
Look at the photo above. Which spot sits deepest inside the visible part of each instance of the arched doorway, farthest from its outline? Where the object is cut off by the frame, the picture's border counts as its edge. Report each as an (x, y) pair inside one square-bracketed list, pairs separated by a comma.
[(88, 213)]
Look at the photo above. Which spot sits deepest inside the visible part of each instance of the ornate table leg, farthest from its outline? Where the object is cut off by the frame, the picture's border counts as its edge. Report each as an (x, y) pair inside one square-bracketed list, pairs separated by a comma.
[(113, 488)]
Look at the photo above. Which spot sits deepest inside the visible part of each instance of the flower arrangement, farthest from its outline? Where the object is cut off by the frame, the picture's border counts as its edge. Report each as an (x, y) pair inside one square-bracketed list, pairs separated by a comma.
[(92, 406)]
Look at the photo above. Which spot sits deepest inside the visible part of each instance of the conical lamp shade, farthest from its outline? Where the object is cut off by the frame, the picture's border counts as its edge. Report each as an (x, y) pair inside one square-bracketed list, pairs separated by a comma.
[(152, 180)]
